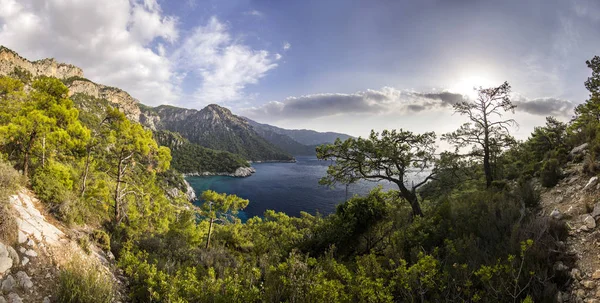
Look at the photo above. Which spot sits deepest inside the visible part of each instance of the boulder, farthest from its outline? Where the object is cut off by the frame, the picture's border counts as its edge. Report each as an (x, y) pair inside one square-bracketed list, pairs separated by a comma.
[(24, 261), (560, 266), (8, 284), (596, 275), (31, 253), (576, 274), (556, 214), (579, 149), (588, 284), (14, 298), (12, 253), (589, 222), (5, 264), (2, 300), (591, 183), (24, 280), (596, 211)]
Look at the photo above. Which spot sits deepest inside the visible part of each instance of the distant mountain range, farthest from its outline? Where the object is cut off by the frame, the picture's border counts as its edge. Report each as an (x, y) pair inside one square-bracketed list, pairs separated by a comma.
[(213, 127), (303, 136)]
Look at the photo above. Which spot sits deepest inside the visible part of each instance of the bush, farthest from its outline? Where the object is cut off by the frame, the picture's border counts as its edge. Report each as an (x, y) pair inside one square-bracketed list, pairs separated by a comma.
[(102, 239), (84, 283), (590, 166), (52, 183), (10, 180), (84, 243), (525, 191), (550, 173)]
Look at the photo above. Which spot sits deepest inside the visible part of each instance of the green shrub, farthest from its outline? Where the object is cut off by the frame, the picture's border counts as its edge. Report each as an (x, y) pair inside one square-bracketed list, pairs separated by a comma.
[(102, 239), (52, 183), (527, 193), (84, 243), (550, 173), (10, 180), (84, 283)]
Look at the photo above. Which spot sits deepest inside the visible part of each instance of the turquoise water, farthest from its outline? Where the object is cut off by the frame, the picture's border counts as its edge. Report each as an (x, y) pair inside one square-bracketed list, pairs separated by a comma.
[(285, 187)]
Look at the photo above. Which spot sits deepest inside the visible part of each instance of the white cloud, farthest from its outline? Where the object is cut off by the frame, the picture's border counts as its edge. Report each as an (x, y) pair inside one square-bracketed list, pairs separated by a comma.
[(109, 40), (254, 13), (387, 100), (133, 45), (225, 65), (286, 46)]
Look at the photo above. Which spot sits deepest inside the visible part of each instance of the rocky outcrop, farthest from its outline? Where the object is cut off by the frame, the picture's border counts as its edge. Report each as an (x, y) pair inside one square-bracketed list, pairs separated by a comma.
[(574, 200), (190, 193), (43, 247), (240, 172), (9, 60), (120, 98)]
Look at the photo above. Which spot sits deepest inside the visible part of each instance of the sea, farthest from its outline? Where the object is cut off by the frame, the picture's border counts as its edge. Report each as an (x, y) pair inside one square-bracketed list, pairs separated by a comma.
[(286, 187)]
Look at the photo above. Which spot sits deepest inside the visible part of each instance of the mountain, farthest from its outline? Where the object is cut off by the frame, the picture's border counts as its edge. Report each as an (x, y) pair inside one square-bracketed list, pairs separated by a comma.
[(303, 136), (286, 143), (215, 127), (193, 159)]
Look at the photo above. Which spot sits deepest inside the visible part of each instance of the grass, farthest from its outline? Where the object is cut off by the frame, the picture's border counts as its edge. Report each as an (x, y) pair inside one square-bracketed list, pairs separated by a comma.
[(80, 282), (10, 180)]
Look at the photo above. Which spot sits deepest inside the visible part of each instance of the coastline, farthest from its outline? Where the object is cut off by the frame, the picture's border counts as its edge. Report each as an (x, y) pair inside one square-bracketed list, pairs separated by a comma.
[(240, 172), (274, 161)]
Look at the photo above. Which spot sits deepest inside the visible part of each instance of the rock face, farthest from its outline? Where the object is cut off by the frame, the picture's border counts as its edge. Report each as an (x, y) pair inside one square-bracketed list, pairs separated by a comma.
[(6, 261), (190, 193), (579, 149), (215, 127), (45, 67), (9, 60), (125, 102)]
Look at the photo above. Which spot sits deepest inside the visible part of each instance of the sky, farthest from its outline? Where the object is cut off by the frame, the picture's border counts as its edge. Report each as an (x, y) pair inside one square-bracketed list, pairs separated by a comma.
[(346, 66)]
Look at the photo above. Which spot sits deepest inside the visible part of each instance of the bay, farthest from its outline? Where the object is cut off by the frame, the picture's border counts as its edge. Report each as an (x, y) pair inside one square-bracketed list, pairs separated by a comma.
[(286, 187)]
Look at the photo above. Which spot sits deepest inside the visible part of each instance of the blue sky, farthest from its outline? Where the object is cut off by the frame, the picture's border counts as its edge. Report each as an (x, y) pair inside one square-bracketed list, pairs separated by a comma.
[(328, 65)]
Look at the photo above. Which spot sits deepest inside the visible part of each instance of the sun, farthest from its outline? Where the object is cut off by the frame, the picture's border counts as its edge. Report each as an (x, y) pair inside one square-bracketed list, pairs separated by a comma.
[(467, 85)]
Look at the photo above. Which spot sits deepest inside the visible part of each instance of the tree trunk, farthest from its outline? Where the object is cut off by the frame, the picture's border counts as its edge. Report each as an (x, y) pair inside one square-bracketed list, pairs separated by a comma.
[(487, 167), (412, 199), (85, 172), (27, 153), (26, 163), (415, 205), (209, 231), (117, 189)]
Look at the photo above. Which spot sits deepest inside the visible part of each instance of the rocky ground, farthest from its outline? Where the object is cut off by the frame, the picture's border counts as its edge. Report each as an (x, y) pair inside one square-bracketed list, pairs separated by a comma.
[(29, 269), (576, 201)]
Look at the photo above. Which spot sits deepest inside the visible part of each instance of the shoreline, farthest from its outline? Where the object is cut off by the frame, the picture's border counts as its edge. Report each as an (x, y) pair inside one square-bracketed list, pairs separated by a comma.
[(240, 172), (274, 161)]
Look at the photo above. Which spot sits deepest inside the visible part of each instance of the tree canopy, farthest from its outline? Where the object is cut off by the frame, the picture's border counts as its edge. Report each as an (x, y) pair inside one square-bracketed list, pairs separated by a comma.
[(484, 134), (391, 156)]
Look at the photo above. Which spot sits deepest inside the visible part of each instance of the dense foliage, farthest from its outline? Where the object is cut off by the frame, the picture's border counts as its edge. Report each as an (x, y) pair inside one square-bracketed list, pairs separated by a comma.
[(475, 241), (189, 158), (221, 130)]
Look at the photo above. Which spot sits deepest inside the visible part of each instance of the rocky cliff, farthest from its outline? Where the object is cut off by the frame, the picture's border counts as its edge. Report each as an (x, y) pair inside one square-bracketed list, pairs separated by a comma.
[(574, 200), (214, 127), (120, 98), (73, 78), (217, 128), (45, 67), (30, 267)]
